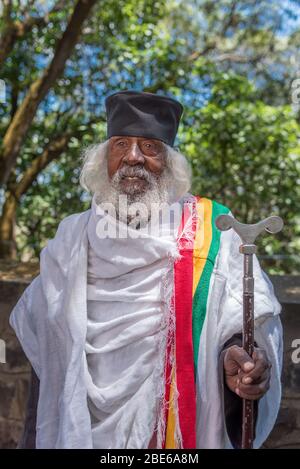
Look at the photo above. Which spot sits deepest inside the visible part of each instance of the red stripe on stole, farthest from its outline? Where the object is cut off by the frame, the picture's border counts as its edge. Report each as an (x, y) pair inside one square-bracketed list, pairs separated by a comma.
[(185, 373), (168, 372)]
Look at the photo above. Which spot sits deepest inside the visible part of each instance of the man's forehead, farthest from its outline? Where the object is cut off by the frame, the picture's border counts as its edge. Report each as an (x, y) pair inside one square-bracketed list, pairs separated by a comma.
[(132, 138)]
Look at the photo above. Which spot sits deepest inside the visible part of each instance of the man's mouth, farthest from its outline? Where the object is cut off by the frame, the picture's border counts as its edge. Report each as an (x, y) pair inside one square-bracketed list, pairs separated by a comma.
[(133, 178)]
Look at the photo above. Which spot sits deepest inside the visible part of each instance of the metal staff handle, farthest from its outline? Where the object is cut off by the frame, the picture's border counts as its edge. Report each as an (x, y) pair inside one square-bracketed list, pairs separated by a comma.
[(248, 235)]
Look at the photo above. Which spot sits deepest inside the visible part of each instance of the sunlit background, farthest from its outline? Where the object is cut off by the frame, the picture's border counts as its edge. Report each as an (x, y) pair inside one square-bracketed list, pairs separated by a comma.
[(233, 64)]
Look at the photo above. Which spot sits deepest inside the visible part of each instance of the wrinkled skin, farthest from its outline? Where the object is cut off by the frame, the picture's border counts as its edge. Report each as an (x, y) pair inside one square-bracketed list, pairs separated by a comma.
[(135, 152), (248, 377)]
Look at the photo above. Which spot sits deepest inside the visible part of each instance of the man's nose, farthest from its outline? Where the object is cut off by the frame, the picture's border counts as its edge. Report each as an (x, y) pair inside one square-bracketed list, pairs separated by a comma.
[(134, 155)]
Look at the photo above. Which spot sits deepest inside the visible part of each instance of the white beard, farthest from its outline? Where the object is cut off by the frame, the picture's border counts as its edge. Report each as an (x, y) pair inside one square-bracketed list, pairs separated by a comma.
[(135, 208)]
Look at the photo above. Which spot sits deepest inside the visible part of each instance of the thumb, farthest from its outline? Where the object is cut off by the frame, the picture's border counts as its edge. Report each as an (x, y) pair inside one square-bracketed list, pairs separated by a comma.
[(241, 357)]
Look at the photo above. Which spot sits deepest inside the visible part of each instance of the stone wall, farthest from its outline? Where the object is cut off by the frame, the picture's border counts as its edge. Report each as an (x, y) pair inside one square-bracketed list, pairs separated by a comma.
[(14, 374), (286, 433)]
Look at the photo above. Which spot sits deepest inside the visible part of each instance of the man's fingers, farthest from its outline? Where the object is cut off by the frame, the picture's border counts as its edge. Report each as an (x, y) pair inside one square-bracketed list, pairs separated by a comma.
[(253, 391), (261, 368), (247, 378), (239, 356), (251, 397), (260, 371)]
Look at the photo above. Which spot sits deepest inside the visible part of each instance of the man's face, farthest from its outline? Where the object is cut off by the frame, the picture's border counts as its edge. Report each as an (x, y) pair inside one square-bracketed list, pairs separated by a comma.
[(133, 158)]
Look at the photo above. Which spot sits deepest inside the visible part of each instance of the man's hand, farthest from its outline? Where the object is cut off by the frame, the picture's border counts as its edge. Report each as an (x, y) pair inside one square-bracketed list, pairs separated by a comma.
[(248, 377)]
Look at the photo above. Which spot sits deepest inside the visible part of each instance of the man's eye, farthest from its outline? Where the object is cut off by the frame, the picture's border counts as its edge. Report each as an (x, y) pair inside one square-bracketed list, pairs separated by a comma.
[(121, 143)]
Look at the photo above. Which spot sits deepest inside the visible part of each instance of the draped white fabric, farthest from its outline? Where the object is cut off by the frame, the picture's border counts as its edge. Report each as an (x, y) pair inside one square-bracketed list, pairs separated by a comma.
[(125, 306), (59, 337)]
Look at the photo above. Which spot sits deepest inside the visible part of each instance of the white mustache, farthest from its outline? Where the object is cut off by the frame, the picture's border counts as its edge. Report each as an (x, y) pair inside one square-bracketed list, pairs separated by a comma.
[(133, 171)]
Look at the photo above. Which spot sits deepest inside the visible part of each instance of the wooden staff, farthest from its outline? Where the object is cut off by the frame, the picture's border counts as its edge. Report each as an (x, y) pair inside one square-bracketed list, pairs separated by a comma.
[(248, 235)]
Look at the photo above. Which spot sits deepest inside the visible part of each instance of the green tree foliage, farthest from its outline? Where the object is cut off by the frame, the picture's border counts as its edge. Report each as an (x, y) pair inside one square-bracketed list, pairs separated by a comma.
[(246, 154), (231, 63)]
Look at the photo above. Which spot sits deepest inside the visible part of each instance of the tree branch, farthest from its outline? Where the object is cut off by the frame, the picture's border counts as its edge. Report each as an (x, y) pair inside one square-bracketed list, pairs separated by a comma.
[(212, 44), (51, 152), (238, 58), (24, 116), (17, 29)]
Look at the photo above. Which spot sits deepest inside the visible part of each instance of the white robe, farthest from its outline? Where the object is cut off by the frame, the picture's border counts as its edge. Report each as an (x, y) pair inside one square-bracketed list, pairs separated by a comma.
[(50, 320), (125, 304)]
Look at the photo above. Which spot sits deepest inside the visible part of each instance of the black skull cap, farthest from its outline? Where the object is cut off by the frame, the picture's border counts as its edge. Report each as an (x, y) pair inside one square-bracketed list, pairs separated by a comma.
[(141, 114)]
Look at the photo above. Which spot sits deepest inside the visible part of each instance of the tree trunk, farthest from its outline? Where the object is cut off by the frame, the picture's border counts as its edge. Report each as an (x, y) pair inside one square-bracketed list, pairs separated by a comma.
[(53, 150), (23, 117), (8, 248)]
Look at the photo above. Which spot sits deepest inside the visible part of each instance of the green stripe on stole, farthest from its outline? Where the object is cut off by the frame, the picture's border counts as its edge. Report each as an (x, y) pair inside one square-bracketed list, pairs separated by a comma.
[(202, 289)]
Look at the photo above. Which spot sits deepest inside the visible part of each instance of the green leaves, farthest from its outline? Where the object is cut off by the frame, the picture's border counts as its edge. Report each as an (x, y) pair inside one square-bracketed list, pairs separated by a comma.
[(230, 63), (246, 155)]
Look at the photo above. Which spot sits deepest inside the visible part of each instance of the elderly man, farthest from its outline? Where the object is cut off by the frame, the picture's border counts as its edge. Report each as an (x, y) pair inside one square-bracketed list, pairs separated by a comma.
[(133, 327)]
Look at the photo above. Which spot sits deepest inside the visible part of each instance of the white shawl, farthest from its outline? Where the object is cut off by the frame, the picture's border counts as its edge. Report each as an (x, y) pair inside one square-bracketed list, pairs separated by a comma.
[(50, 320), (125, 307)]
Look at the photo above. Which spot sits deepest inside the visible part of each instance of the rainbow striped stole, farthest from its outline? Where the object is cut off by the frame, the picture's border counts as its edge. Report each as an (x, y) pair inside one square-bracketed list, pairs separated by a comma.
[(192, 274)]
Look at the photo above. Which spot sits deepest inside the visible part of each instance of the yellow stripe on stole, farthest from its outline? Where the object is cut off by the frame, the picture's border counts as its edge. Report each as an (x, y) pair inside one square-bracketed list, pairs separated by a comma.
[(202, 239), (171, 423)]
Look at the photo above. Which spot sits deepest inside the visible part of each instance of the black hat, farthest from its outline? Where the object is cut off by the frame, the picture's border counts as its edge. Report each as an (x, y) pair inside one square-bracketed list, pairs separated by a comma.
[(140, 114)]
